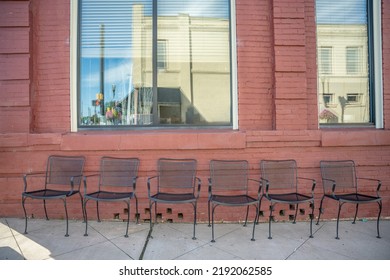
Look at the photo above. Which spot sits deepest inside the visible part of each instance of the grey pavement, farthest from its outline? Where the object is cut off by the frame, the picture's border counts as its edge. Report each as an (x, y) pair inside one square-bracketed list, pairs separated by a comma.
[(173, 241)]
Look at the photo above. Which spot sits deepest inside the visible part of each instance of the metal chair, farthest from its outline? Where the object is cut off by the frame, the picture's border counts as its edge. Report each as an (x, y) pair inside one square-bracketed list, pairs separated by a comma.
[(116, 182), (175, 183), (340, 183), (281, 186), (229, 186), (61, 180)]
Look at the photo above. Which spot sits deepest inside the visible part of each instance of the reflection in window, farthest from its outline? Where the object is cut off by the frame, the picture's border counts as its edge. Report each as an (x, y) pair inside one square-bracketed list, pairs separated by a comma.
[(140, 70), (343, 57)]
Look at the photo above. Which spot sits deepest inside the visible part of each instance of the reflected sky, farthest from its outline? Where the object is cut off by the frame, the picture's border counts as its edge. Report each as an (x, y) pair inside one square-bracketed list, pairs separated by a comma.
[(341, 11)]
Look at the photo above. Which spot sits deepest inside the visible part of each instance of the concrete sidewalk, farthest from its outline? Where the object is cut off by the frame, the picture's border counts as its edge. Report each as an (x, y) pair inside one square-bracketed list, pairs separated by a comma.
[(173, 241)]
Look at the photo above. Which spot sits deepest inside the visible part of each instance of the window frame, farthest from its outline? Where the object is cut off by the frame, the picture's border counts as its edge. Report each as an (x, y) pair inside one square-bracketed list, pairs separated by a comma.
[(374, 32), (74, 76)]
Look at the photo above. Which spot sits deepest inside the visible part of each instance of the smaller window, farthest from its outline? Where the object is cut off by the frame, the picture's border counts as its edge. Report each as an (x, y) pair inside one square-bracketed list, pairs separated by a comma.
[(353, 98), (328, 99), (325, 60), (162, 55), (353, 60)]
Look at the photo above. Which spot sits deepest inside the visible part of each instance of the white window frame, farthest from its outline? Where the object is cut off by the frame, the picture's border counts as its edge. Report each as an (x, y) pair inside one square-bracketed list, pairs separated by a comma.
[(74, 68)]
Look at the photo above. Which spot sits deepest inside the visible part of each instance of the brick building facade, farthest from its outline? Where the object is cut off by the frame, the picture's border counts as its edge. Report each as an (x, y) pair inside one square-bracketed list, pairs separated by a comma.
[(277, 109)]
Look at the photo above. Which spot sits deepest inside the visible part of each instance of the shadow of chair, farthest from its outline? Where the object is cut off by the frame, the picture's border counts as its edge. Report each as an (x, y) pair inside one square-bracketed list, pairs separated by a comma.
[(116, 182), (229, 186), (340, 183), (282, 185), (175, 183), (61, 180)]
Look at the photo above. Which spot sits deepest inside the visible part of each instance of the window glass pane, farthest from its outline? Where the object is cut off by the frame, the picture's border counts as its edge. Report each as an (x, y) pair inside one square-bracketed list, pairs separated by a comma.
[(342, 42), (195, 86), (192, 63)]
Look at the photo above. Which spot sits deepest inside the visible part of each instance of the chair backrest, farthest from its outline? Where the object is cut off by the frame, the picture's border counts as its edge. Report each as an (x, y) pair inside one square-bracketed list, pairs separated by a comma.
[(281, 174), (229, 175), (118, 172), (342, 172), (176, 173), (60, 170)]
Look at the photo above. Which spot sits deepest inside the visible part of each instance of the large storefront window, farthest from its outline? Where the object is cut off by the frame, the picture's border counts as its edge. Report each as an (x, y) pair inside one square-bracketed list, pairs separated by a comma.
[(154, 63), (344, 65)]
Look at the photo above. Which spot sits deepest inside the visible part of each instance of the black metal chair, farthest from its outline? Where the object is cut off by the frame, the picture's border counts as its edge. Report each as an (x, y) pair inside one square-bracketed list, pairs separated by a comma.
[(229, 186), (340, 183), (116, 182), (61, 180), (175, 182), (281, 186)]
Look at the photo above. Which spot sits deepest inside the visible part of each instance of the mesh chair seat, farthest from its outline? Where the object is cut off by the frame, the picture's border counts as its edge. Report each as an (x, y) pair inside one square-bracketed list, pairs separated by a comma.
[(48, 194), (355, 198), (239, 200), (114, 174), (290, 198), (62, 179), (176, 182), (106, 195), (174, 197), (229, 185), (339, 175), (281, 186)]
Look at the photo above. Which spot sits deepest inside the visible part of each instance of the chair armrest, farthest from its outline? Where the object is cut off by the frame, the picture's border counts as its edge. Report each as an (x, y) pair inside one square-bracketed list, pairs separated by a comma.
[(198, 188), (85, 177), (149, 181), (379, 183), (333, 186), (72, 183), (210, 187), (259, 189), (266, 182), (313, 183), (33, 174)]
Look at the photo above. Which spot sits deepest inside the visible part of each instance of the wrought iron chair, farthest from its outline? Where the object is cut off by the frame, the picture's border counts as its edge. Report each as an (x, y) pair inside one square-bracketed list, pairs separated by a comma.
[(340, 183), (175, 182), (116, 182), (281, 186), (62, 179), (229, 186)]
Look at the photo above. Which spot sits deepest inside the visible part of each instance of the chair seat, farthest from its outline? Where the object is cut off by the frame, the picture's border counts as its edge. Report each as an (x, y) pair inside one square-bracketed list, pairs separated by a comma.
[(48, 194), (105, 195), (173, 197), (289, 197), (233, 199), (355, 198)]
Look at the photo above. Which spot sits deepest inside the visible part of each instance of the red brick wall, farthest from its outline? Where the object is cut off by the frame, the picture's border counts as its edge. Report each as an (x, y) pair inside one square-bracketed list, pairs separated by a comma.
[(276, 47)]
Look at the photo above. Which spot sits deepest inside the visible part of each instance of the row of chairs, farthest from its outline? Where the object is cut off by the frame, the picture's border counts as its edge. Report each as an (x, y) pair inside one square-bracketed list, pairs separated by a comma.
[(176, 181)]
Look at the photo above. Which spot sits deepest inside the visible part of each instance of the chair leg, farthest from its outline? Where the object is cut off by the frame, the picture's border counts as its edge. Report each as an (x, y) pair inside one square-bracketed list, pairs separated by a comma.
[(208, 212), (296, 213), (66, 214), (377, 222), (254, 224), (356, 211), (194, 204), (97, 211), (320, 210), (25, 215), (311, 219), (338, 218), (212, 223), (150, 213), (82, 205), (85, 217), (136, 209), (246, 216), (258, 210), (128, 218), (44, 206), (270, 218)]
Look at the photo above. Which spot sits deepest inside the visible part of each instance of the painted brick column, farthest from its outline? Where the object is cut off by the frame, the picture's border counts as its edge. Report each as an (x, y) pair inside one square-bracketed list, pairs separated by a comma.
[(290, 65), (15, 71)]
